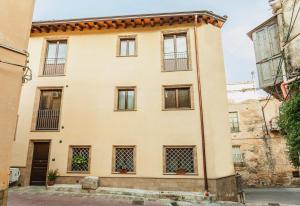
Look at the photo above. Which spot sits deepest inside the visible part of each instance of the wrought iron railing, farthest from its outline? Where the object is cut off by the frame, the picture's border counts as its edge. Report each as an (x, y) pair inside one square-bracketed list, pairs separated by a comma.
[(47, 119), (54, 66), (176, 61)]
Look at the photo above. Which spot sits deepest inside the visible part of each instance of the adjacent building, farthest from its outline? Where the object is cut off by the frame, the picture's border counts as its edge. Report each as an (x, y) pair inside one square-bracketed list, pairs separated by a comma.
[(14, 35), (259, 151), (277, 45), (124, 98)]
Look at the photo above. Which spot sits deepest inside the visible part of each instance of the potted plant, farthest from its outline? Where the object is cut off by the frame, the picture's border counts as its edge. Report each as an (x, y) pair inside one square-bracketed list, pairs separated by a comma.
[(52, 175), (79, 161), (123, 170), (180, 171)]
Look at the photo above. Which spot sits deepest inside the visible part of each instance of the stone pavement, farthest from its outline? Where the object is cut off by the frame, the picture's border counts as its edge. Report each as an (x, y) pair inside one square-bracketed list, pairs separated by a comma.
[(39, 196), (273, 196)]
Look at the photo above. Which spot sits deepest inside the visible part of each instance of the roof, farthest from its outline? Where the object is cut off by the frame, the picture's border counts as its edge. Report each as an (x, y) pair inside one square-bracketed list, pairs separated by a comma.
[(261, 26), (132, 21)]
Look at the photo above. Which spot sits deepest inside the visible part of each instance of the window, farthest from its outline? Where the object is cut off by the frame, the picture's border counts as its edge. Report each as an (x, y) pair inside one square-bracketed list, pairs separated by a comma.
[(55, 58), (79, 159), (124, 159), (177, 97), (296, 174), (179, 160), (49, 110), (175, 52), (126, 99), (127, 46), (237, 156), (234, 122)]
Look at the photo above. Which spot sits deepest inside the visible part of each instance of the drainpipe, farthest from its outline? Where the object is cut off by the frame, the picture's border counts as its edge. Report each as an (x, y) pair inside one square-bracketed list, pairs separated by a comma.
[(200, 106)]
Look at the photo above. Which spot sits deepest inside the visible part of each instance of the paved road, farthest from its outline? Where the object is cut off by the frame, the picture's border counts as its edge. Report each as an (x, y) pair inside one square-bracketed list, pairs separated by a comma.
[(25, 199), (276, 195)]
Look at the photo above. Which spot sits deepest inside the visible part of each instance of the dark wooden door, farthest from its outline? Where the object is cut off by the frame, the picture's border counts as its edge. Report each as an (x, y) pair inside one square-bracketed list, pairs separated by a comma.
[(39, 163)]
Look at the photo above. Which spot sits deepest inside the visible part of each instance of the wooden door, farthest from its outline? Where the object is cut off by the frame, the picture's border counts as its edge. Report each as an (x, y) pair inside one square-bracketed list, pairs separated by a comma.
[(39, 163)]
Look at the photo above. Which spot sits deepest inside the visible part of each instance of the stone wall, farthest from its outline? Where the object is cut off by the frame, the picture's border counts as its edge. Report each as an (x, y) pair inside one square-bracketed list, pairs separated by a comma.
[(265, 154)]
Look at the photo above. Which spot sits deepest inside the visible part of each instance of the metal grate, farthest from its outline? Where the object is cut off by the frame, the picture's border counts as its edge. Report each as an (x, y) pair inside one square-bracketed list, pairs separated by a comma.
[(234, 122), (179, 159), (124, 159), (80, 159), (237, 155)]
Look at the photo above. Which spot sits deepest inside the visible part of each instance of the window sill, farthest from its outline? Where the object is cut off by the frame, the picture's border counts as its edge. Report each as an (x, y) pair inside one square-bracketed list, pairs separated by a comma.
[(178, 109), (117, 110), (188, 70), (58, 75), (45, 130), (128, 173), (75, 172), (187, 174), (127, 56)]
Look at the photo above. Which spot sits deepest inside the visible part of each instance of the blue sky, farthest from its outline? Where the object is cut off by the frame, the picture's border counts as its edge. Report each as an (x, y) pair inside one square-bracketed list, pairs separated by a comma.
[(243, 16)]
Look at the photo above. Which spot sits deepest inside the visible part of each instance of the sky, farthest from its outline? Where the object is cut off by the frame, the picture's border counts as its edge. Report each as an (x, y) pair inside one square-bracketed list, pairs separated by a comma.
[(243, 15)]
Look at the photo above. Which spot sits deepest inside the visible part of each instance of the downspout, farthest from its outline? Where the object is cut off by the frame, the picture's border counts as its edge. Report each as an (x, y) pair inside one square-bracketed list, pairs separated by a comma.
[(200, 106)]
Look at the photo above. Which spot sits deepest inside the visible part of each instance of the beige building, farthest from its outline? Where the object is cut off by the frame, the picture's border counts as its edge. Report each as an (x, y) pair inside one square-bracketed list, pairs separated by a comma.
[(259, 150), (14, 35), (119, 98)]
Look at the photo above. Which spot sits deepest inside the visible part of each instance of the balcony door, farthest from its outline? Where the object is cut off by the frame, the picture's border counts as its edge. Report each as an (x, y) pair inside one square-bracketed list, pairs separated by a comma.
[(55, 58), (175, 52), (49, 110)]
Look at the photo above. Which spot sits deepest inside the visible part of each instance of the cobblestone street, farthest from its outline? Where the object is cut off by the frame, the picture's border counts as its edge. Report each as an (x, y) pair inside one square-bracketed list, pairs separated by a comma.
[(54, 199)]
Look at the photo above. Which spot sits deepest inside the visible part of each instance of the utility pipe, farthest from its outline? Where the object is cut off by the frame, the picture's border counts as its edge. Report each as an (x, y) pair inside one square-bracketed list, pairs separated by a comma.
[(200, 106)]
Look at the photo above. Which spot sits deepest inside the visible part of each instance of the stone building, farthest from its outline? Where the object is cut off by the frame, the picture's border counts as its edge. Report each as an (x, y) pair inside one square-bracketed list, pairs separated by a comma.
[(15, 21), (259, 151), (277, 47), (123, 98)]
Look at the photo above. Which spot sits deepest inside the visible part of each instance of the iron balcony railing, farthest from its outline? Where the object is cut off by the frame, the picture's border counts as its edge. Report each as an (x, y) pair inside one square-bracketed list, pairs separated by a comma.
[(47, 119), (54, 66), (176, 61)]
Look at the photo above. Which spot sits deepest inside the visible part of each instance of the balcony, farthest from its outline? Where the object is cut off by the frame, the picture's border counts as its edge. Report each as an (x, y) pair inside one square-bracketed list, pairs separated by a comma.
[(176, 61), (47, 119), (54, 66)]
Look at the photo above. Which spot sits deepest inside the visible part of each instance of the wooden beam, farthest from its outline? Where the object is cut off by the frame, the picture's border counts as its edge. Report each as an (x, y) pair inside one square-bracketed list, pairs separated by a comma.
[(37, 29), (87, 25), (114, 24), (78, 26), (133, 24), (53, 27), (171, 21), (161, 21), (152, 22), (97, 25), (45, 28)]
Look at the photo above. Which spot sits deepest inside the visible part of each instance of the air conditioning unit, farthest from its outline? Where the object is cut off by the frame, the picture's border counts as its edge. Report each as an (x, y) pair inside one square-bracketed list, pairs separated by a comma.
[(274, 125), (14, 175), (55, 94)]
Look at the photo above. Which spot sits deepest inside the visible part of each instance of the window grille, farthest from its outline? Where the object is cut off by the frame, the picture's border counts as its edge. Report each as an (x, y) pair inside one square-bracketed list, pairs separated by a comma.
[(124, 159), (178, 159), (80, 159), (237, 155), (234, 122)]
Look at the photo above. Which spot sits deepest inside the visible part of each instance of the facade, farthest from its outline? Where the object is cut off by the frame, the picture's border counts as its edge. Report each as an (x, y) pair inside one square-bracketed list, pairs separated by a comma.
[(259, 154), (119, 98), (277, 45), (13, 45)]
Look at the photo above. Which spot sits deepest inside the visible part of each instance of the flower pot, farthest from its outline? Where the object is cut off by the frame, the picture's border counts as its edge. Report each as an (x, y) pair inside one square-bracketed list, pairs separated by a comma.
[(51, 182), (180, 172), (123, 171)]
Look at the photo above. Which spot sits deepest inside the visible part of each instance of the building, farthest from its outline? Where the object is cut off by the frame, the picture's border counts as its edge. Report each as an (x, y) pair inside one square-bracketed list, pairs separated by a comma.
[(277, 45), (14, 35), (259, 150), (120, 98)]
